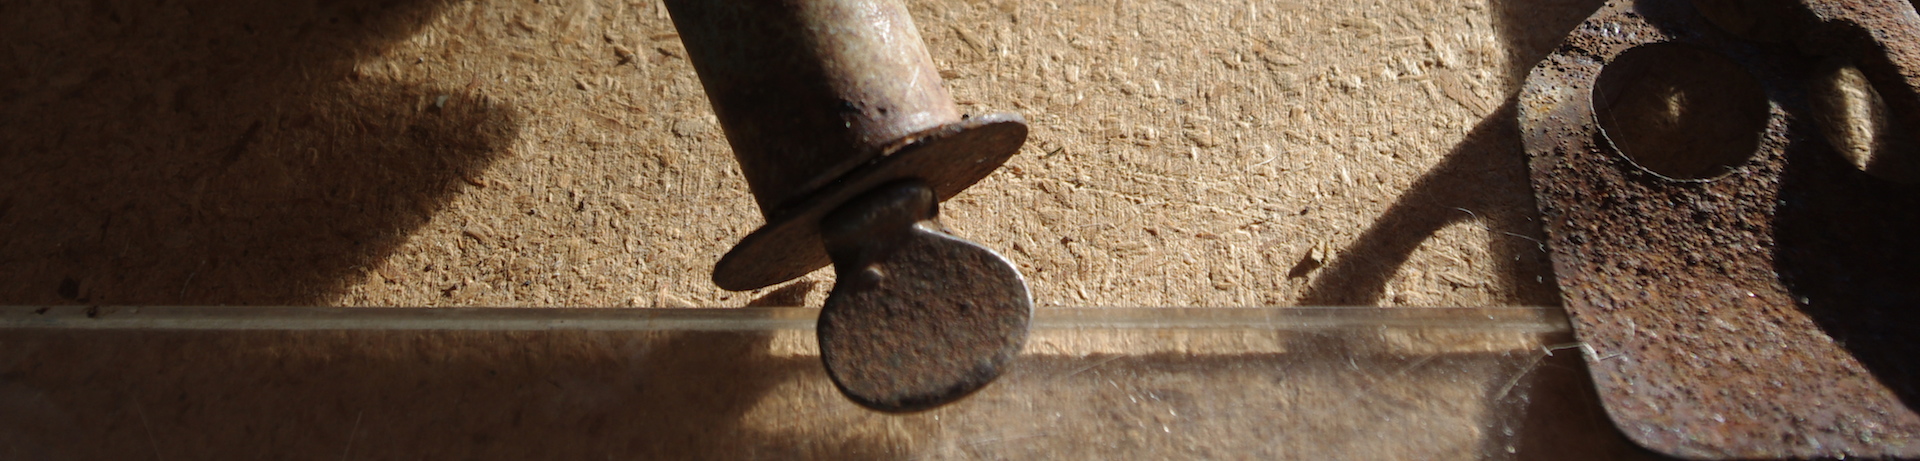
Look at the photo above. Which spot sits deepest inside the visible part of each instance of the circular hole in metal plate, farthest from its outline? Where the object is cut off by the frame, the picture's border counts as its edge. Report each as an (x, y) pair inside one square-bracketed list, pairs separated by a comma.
[(1680, 111), (1857, 123)]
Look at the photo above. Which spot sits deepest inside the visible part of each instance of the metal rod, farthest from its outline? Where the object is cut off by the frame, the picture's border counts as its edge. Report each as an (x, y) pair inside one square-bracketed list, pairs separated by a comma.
[(808, 90), (840, 123), (823, 100)]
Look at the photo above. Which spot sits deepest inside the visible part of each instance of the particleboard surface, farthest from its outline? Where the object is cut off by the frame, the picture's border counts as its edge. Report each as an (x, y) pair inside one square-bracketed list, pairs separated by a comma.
[(561, 152)]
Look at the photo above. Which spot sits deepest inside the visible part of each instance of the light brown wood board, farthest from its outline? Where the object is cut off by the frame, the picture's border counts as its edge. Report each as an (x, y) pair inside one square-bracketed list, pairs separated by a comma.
[(561, 152)]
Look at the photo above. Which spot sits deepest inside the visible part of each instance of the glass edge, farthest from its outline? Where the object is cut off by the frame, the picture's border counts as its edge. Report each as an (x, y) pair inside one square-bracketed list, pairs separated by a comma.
[(1489, 319)]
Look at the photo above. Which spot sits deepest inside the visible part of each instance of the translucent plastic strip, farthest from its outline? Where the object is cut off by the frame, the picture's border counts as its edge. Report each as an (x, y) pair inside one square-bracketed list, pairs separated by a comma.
[(1497, 319), (79, 382)]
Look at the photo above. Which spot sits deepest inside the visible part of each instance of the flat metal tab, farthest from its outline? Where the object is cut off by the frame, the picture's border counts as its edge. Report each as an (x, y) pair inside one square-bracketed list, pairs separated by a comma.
[(1746, 291)]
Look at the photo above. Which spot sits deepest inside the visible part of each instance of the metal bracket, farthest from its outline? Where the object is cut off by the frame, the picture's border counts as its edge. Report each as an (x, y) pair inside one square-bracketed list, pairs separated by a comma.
[(1748, 291)]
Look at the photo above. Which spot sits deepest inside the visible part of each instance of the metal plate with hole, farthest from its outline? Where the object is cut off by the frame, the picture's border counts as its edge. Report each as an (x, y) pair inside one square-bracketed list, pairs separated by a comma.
[(1746, 290)]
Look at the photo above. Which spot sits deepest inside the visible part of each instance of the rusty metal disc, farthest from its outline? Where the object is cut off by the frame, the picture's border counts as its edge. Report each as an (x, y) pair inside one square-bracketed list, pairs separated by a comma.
[(1744, 291), (918, 318)]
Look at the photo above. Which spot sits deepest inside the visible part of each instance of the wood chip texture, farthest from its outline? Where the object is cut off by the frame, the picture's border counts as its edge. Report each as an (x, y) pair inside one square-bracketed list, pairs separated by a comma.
[(561, 153)]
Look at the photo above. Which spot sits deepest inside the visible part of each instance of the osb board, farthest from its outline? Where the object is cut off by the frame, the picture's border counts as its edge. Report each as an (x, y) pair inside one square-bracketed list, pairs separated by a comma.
[(561, 153)]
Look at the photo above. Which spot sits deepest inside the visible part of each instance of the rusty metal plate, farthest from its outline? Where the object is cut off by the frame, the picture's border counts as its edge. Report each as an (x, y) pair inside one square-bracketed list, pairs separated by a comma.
[(1745, 290)]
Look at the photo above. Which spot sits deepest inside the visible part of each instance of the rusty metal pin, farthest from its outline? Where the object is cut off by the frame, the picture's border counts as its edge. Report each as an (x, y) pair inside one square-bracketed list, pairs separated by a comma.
[(849, 141), (823, 100)]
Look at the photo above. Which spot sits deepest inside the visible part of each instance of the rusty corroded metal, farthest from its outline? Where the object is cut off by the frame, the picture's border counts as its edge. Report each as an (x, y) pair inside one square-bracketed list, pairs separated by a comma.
[(1748, 286), (918, 318), (823, 100), (849, 141)]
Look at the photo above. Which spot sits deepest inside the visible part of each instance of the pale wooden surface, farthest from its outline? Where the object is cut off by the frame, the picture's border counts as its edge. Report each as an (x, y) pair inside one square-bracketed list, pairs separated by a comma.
[(561, 153)]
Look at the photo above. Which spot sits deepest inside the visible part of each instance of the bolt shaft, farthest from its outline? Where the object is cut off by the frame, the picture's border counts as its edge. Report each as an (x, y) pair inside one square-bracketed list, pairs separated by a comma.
[(807, 90), (848, 140)]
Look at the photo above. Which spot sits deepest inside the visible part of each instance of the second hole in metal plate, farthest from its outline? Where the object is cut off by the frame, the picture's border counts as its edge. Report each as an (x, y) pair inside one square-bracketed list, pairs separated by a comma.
[(1855, 120), (1680, 111)]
